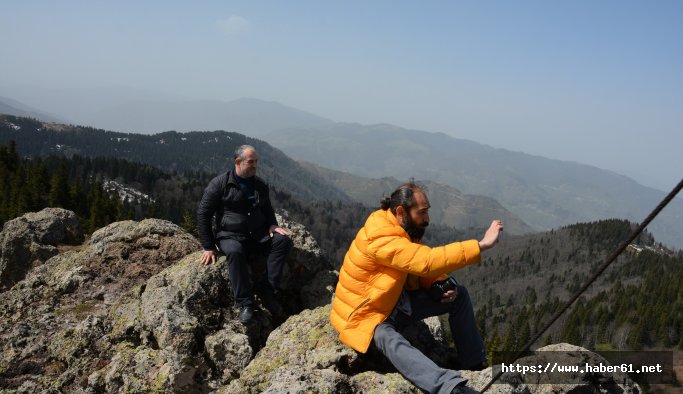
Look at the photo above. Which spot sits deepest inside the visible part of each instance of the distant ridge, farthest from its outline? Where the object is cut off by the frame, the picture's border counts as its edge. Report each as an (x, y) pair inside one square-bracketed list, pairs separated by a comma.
[(544, 193), (12, 107), (245, 115), (449, 206)]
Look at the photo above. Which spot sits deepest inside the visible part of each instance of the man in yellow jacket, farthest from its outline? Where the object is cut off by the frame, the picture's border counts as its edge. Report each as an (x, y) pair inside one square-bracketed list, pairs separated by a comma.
[(384, 283)]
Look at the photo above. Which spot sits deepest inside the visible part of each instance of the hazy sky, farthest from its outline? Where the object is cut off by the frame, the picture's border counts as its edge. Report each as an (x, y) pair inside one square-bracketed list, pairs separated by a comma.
[(598, 82)]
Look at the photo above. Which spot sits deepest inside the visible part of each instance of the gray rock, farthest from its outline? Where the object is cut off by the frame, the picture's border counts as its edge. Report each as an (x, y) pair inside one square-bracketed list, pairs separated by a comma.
[(230, 352), (60, 313), (186, 327), (302, 347), (320, 290), (372, 382), (305, 260), (30, 240)]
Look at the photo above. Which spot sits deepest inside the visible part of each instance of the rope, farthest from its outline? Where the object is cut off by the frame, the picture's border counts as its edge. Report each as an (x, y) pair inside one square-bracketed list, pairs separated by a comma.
[(597, 273)]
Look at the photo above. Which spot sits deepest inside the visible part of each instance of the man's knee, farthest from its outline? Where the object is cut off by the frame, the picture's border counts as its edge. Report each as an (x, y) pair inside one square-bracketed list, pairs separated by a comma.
[(385, 333), (232, 249)]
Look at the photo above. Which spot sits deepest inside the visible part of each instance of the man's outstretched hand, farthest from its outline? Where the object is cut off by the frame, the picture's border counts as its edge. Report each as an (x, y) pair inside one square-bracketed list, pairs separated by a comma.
[(208, 257), (491, 235)]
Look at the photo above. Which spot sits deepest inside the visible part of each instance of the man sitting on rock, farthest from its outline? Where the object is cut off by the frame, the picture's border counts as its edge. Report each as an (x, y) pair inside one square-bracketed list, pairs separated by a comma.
[(245, 224), (389, 279)]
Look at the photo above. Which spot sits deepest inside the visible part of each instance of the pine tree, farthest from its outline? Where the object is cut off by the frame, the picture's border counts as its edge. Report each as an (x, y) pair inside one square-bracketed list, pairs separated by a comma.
[(190, 223), (59, 188)]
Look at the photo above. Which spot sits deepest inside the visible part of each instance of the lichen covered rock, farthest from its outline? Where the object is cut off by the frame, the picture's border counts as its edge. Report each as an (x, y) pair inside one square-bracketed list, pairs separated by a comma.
[(60, 311), (30, 240)]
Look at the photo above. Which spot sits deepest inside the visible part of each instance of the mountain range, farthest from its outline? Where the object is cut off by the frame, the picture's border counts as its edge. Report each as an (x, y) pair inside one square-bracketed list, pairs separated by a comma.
[(449, 206), (542, 192), (208, 152)]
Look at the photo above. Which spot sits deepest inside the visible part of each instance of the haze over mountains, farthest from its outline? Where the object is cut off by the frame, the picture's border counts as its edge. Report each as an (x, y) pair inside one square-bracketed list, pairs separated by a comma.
[(207, 152), (544, 193), (16, 108), (449, 206)]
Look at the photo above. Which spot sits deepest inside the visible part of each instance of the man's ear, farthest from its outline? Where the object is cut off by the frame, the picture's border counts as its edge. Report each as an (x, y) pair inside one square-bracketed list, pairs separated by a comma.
[(400, 213)]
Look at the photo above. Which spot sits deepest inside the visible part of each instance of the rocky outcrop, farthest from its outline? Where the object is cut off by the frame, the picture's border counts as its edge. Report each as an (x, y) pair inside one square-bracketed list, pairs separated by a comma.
[(133, 310), (56, 322), (303, 355), (29, 240)]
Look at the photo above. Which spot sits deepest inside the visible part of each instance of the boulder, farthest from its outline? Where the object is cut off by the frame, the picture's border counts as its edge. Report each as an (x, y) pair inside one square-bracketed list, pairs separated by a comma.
[(303, 351), (305, 355), (56, 325), (308, 279), (182, 330), (30, 240)]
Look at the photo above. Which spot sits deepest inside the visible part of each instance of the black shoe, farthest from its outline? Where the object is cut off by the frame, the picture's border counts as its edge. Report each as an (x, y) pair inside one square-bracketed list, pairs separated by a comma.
[(246, 314), (460, 389)]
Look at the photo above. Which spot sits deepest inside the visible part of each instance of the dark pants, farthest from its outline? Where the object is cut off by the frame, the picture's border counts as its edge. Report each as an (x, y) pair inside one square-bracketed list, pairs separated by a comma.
[(412, 363), (238, 252)]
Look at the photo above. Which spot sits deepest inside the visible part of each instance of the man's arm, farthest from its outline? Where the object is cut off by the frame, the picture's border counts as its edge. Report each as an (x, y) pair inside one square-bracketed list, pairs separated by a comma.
[(400, 253), (207, 207)]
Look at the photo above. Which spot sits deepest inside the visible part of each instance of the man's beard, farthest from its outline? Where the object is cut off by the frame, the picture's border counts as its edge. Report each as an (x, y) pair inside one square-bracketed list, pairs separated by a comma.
[(415, 231)]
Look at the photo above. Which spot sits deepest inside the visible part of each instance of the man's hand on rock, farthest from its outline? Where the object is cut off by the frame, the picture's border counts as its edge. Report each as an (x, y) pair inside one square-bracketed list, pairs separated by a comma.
[(208, 257), (491, 235)]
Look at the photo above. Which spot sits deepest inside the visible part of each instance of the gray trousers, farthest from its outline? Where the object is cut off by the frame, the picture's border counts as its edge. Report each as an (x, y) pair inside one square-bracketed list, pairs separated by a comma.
[(412, 363)]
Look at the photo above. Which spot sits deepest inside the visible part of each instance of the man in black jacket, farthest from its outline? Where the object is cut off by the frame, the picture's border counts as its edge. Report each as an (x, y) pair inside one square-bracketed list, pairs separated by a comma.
[(245, 224)]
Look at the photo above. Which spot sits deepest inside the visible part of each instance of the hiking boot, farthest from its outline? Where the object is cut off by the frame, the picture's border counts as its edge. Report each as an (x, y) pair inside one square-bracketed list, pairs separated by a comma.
[(246, 314)]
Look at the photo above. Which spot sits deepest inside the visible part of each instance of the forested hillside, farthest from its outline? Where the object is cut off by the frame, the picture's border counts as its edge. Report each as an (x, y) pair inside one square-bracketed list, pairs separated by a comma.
[(636, 304), (206, 151)]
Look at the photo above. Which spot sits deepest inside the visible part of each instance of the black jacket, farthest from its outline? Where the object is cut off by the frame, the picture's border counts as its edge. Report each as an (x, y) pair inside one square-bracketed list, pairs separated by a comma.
[(236, 217)]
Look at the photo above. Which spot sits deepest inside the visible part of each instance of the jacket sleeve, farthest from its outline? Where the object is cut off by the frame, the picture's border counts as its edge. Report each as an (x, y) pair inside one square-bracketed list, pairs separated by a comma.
[(267, 209), (208, 206), (421, 260)]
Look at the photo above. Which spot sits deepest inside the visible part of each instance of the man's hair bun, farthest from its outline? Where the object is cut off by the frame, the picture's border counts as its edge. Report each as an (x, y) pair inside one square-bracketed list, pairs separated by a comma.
[(403, 196), (385, 203)]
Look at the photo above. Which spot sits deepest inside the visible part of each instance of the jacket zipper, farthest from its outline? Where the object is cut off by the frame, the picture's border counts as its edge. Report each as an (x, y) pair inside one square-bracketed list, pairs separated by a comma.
[(358, 307)]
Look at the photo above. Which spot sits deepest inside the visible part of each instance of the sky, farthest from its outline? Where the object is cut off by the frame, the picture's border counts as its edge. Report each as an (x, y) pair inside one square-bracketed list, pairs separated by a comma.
[(595, 82)]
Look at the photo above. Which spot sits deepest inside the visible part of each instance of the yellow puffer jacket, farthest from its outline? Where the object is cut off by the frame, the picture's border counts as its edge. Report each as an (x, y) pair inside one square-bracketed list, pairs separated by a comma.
[(374, 273)]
